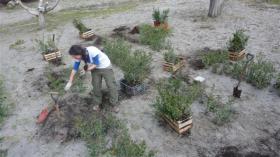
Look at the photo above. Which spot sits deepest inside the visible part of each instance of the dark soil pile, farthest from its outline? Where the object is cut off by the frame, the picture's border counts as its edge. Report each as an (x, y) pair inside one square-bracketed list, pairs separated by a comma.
[(129, 34)]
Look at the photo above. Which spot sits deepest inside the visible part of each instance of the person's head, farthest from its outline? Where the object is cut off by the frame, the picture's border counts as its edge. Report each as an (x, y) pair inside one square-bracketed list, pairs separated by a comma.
[(77, 52)]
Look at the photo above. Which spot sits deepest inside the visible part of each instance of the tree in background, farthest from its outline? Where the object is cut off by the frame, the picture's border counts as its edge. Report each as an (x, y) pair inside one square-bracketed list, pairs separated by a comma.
[(42, 9), (215, 8)]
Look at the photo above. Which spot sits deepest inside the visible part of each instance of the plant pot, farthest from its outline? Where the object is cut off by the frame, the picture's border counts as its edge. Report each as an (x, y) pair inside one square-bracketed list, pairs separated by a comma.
[(88, 35), (132, 90), (171, 67), (53, 56), (236, 56), (156, 23), (165, 26), (180, 126)]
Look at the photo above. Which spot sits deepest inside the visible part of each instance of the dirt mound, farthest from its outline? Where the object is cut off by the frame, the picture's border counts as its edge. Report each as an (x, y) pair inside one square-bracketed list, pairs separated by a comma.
[(130, 34)]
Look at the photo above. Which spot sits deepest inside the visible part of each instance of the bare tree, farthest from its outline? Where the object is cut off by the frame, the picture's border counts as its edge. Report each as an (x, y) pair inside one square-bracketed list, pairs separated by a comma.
[(43, 8), (215, 8)]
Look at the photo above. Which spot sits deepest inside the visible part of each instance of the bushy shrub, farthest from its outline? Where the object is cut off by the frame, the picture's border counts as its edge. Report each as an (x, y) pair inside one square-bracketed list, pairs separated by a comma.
[(175, 98), (171, 57), (162, 17), (260, 73), (155, 37), (46, 47), (117, 50), (136, 67), (238, 42), (214, 57), (3, 105), (80, 26)]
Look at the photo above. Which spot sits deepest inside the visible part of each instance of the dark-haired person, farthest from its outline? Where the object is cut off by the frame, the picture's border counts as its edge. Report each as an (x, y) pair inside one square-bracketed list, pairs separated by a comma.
[(100, 67)]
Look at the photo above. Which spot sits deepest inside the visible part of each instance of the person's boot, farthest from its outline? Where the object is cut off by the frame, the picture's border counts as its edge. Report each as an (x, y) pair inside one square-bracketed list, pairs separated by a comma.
[(96, 108)]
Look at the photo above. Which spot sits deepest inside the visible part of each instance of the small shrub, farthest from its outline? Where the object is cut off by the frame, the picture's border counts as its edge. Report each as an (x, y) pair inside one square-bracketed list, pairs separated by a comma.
[(238, 42), (222, 111), (80, 26), (161, 17), (171, 57), (260, 73), (155, 37), (136, 67), (117, 50), (175, 98), (17, 44), (214, 57), (46, 47), (3, 105)]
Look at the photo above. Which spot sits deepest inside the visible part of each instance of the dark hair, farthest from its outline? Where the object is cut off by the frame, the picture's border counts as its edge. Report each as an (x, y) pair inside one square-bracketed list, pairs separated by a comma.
[(78, 50)]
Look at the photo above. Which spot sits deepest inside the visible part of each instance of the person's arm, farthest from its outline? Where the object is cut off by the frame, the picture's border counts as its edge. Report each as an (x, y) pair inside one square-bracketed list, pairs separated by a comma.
[(95, 61), (72, 75)]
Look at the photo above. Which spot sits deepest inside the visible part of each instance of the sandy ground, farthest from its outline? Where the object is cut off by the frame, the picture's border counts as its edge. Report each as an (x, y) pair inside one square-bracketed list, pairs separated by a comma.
[(254, 128)]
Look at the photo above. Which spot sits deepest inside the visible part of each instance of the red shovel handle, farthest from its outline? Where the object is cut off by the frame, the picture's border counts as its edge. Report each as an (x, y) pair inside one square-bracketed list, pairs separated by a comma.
[(43, 116)]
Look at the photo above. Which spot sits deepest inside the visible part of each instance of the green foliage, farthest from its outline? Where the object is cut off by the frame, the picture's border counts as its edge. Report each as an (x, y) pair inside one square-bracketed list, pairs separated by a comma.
[(222, 111), (3, 103), (260, 72), (171, 57), (80, 26), (175, 98), (213, 57), (96, 131), (58, 80), (277, 84), (155, 37), (162, 17), (4, 153), (46, 47), (136, 67), (238, 42), (117, 50), (17, 44)]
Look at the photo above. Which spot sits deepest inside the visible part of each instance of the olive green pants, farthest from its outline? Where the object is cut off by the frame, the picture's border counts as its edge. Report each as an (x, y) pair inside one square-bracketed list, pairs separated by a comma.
[(108, 75)]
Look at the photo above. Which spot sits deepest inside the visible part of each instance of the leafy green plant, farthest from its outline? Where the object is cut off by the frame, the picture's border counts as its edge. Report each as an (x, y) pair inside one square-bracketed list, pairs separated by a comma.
[(171, 57), (159, 16), (213, 57), (175, 98), (156, 15), (155, 37), (97, 129), (136, 67), (117, 50), (46, 47), (260, 73), (238, 42), (222, 111), (80, 26)]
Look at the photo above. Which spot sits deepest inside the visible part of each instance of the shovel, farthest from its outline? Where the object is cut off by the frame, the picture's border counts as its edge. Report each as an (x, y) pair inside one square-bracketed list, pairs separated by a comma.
[(46, 111), (236, 91)]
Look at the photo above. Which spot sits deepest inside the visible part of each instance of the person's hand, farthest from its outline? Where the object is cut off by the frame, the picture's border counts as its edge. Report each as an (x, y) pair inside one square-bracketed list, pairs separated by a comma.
[(68, 86), (82, 72)]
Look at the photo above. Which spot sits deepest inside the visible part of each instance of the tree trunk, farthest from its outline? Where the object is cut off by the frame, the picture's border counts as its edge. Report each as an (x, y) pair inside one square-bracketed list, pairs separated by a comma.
[(215, 8), (42, 22)]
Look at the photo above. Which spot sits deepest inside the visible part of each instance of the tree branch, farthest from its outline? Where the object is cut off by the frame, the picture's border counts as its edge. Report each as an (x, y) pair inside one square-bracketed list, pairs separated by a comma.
[(30, 10), (52, 7)]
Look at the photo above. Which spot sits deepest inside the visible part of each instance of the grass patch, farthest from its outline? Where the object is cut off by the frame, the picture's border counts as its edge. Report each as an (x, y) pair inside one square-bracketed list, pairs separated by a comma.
[(155, 37), (58, 80), (106, 135), (212, 57), (277, 84), (17, 45)]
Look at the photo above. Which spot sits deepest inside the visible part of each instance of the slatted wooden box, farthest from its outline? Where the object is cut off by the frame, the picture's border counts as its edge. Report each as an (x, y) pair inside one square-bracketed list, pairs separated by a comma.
[(180, 127), (171, 67), (54, 56), (236, 56), (89, 35)]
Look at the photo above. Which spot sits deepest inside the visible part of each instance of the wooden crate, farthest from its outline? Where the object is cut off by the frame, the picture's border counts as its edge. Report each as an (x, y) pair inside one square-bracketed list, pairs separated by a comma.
[(87, 35), (52, 56), (180, 127), (170, 67), (236, 56)]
